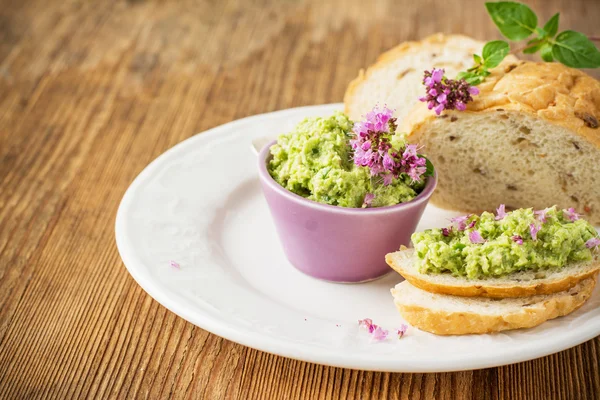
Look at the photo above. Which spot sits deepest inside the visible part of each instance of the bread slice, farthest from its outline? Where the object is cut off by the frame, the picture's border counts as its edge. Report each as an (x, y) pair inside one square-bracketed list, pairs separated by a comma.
[(519, 284), (396, 78), (531, 138), (453, 315)]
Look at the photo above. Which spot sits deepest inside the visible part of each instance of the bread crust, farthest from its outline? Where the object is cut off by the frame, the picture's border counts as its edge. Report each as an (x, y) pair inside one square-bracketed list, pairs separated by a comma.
[(553, 92), (399, 51), (443, 322), (467, 289)]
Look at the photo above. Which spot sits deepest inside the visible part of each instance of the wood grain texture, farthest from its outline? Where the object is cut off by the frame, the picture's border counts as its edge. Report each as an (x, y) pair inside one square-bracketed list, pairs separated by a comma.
[(91, 92)]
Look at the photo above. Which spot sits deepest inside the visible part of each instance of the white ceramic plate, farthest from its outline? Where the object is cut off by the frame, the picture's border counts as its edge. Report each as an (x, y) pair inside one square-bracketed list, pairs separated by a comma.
[(200, 204)]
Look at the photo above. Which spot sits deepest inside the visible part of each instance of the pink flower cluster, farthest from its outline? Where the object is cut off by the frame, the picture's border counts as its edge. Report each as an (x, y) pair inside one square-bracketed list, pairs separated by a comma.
[(446, 94), (373, 148)]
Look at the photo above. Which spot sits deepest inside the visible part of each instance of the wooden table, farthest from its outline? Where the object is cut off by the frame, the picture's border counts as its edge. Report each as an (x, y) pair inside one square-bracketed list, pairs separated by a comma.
[(90, 93)]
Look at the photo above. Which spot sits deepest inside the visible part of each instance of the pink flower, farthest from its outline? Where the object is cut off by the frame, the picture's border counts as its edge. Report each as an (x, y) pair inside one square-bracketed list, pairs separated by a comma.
[(541, 215), (500, 212), (401, 331), (379, 334), (592, 243), (446, 94), (472, 224), (534, 229), (174, 264), (446, 231), (460, 221), (476, 238), (373, 149), (388, 179), (365, 323), (368, 199), (415, 173), (517, 239), (571, 215)]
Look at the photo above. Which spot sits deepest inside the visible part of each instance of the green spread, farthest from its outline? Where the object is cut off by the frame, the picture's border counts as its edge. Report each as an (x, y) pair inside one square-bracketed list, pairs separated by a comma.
[(494, 246), (314, 161)]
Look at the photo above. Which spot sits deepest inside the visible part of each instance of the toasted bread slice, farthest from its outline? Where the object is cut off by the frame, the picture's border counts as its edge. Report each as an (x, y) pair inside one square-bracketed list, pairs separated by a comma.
[(519, 284), (454, 315)]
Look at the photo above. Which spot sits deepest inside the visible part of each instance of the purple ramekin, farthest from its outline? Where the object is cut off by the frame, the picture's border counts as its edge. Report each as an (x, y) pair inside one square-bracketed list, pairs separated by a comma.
[(334, 243)]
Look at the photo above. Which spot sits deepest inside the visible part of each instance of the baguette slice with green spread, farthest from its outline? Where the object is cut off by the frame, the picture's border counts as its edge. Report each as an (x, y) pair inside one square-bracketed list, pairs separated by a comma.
[(454, 315), (518, 284)]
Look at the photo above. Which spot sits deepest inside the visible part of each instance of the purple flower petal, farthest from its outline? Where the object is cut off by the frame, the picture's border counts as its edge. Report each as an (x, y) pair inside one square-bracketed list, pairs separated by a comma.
[(365, 323), (541, 215), (460, 106), (571, 214), (438, 110), (401, 331), (473, 90), (368, 199), (593, 242), (475, 237), (461, 222), (388, 162), (437, 75), (174, 264), (517, 239), (500, 212), (432, 92), (446, 231), (379, 334), (533, 230)]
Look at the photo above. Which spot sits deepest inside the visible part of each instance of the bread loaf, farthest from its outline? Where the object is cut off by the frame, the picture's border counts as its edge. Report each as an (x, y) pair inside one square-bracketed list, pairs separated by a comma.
[(531, 138)]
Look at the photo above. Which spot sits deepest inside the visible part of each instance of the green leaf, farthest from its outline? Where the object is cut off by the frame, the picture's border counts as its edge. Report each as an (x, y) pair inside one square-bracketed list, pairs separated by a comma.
[(516, 21), (429, 168), (533, 49), (477, 59), (472, 78), (546, 52), (540, 32), (494, 52), (551, 26), (575, 50)]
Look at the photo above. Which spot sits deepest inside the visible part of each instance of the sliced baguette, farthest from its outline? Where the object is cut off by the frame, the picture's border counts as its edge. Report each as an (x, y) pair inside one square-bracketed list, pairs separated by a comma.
[(520, 284), (531, 138), (453, 315), (396, 78)]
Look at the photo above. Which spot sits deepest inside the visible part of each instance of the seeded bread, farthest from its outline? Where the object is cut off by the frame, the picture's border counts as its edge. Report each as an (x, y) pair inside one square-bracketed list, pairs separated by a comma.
[(531, 138), (396, 78), (519, 284), (453, 315)]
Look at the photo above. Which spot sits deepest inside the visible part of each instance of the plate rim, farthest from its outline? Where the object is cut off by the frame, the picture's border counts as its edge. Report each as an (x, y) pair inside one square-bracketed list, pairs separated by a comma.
[(276, 346)]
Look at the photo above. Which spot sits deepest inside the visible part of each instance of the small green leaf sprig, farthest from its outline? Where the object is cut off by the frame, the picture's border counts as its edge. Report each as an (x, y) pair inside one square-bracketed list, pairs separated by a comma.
[(518, 22)]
